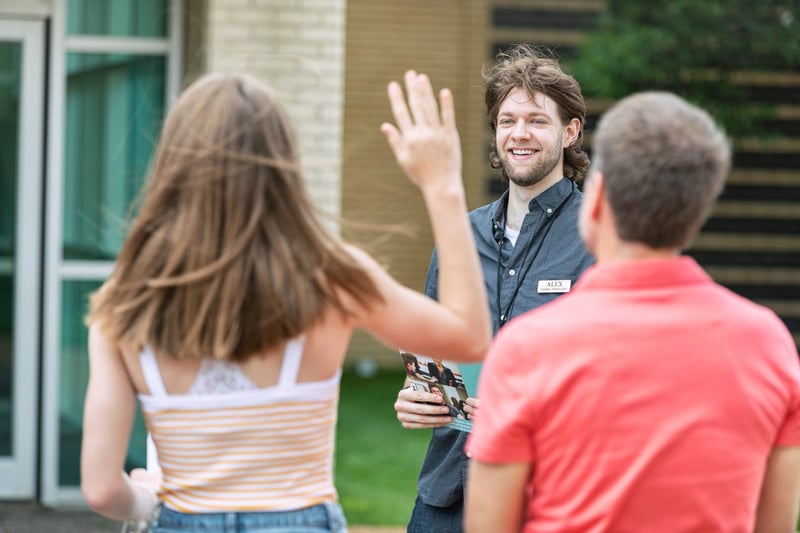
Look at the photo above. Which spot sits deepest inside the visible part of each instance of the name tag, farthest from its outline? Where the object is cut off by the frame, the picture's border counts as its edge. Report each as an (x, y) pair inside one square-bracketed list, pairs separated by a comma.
[(554, 285)]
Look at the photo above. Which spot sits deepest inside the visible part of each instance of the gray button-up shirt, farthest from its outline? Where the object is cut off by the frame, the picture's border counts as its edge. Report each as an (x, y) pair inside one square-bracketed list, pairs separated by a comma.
[(517, 278)]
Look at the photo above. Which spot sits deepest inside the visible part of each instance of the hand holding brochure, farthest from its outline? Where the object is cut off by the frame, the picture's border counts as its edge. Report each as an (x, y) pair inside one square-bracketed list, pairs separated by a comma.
[(439, 377)]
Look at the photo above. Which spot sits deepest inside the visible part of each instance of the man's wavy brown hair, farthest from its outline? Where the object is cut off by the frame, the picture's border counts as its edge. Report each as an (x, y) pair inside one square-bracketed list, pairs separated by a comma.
[(227, 256)]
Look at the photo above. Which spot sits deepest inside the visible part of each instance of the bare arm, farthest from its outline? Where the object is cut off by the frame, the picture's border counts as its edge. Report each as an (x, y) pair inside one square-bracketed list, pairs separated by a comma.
[(107, 421), (426, 145), (780, 493), (495, 497)]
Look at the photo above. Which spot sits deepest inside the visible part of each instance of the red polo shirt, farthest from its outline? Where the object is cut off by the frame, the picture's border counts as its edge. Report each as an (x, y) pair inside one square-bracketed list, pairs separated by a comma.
[(648, 399)]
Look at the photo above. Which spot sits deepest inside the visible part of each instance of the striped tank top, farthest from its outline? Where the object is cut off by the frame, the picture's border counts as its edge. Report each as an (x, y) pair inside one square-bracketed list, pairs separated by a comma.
[(265, 449)]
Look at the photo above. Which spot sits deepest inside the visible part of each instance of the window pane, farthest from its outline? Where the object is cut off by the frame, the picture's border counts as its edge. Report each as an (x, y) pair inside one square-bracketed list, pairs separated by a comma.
[(74, 376), (130, 18), (114, 110), (9, 122)]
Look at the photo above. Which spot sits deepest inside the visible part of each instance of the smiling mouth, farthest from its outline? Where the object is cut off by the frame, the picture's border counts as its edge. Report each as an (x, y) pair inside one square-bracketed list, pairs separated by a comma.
[(521, 151)]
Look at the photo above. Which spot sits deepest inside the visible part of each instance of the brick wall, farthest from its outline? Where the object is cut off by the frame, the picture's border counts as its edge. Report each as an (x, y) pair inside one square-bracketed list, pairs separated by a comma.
[(297, 46)]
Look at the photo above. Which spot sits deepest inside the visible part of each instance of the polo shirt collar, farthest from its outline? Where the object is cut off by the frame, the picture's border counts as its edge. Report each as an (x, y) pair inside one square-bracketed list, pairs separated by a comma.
[(640, 273)]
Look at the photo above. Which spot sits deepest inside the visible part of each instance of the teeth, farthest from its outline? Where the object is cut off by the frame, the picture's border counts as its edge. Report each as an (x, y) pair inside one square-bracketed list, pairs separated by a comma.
[(520, 151)]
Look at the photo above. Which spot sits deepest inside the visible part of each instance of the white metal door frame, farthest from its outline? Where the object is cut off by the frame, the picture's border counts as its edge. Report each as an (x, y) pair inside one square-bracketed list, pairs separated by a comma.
[(56, 268), (18, 471)]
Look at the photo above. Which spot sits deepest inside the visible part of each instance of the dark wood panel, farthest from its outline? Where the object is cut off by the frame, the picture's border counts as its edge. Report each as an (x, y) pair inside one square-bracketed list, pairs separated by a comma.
[(746, 258), (763, 193), (753, 225), (563, 51), (509, 17), (772, 94), (766, 292), (769, 160)]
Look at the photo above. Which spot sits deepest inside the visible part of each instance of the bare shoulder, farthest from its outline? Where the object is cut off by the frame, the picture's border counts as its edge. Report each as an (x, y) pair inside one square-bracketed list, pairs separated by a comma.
[(98, 340), (362, 257), (326, 345)]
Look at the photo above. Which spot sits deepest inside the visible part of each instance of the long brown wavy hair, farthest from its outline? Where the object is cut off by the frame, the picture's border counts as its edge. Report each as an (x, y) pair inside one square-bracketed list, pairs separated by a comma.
[(227, 256)]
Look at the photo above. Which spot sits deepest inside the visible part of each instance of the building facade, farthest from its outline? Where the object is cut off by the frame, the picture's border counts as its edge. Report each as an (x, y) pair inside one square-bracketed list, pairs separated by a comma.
[(84, 87)]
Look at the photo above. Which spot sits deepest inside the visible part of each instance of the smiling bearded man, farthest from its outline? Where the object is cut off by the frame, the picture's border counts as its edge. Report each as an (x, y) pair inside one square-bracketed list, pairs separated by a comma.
[(528, 243)]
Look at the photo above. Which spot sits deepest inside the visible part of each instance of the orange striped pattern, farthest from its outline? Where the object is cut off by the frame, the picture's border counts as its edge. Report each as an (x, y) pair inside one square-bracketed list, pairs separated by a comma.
[(258, 450)]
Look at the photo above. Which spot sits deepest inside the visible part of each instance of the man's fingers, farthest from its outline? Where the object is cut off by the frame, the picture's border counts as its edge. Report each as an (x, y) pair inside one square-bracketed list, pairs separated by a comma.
[(404, 406), (409, 420), (413, 413), (418, 397), (415, 425)]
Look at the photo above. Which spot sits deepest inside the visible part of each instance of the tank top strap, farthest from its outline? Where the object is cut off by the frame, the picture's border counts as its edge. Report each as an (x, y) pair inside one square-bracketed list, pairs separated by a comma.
[(152, 375), (292, 357)]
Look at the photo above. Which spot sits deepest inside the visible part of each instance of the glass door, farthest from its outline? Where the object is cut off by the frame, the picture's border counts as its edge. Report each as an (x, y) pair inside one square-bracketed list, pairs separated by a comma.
[(21, 103)]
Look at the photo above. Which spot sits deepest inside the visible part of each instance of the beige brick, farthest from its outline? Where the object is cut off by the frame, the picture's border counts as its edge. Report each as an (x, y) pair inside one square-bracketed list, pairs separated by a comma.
[(298, 48)]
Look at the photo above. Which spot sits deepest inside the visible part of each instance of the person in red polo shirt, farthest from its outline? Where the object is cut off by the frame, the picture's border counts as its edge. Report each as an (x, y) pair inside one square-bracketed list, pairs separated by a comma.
[(649, 398)]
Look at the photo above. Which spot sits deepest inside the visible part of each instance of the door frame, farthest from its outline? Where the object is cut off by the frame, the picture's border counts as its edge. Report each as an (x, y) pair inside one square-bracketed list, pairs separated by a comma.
[(57, 269), (18, 472)]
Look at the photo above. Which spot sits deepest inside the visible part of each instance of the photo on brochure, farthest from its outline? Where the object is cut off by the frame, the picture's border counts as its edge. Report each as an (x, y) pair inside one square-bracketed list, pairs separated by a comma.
[(439, 376)]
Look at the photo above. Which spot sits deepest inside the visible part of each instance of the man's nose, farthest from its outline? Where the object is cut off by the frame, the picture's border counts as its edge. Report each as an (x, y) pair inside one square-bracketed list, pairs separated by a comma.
[(520, 129)]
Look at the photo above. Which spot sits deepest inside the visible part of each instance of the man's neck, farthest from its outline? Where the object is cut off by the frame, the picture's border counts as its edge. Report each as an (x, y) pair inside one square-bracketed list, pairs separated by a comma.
[(520, 197)]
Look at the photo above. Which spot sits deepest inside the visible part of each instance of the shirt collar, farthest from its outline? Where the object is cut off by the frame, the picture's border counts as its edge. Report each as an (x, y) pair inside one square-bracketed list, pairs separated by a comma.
[(548, 201), (638, 273)]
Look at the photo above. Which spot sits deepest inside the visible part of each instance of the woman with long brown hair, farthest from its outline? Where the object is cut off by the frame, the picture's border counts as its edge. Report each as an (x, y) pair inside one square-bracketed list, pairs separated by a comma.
[(231, 306)]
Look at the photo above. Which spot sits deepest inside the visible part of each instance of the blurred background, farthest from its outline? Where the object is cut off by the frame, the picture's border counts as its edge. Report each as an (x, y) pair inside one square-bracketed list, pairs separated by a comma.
[(85, 84)]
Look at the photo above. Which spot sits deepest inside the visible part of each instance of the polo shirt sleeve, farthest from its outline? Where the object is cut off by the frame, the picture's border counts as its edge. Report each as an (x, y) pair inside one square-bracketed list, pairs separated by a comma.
[(789, 432), (503, 429)]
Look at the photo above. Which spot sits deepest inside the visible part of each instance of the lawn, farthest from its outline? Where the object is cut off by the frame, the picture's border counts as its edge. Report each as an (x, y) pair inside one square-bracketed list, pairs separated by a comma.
[(377, 461)]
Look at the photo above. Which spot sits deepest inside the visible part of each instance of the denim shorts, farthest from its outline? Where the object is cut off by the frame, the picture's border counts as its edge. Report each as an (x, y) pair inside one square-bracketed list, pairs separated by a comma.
[(325, 517)]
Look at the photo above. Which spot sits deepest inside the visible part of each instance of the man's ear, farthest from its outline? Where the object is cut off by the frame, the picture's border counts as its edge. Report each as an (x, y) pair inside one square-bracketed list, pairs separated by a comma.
[(595, 194), (572, 130)]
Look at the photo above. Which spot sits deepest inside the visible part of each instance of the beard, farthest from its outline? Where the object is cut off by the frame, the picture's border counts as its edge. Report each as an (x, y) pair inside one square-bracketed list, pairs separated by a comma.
[(545, 164)]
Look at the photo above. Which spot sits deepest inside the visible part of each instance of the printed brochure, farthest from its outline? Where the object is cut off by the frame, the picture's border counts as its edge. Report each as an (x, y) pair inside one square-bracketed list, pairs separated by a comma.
[(440, 377)]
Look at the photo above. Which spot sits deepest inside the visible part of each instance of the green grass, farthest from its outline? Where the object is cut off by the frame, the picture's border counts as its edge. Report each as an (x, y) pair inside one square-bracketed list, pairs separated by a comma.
[(377, 461)]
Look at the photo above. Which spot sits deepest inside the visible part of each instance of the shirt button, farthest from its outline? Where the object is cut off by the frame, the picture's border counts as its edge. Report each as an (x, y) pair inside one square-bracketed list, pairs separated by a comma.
[(549, 210), (512, 272)]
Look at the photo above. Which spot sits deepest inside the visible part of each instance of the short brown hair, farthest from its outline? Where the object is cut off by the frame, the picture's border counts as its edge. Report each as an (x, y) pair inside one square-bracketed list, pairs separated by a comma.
[(664, 161), (227, 256), (535, 69)]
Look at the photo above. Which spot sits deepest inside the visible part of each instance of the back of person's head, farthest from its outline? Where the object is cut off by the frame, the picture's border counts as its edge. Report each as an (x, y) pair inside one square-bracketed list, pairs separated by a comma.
[(227, 256), (664, 162), (535, 70)]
